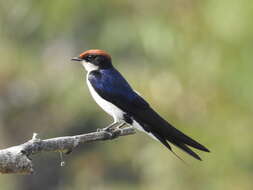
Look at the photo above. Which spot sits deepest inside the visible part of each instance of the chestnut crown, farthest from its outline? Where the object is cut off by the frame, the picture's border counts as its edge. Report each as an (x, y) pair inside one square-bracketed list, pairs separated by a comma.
[(96, 57)]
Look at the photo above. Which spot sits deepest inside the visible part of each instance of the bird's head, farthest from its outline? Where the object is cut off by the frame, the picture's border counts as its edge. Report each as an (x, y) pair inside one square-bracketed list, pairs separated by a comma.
[(94, 59)]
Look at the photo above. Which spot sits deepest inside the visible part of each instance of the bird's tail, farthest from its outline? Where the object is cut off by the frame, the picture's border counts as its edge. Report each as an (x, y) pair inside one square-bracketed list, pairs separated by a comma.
[(166, 133), (179, 139)]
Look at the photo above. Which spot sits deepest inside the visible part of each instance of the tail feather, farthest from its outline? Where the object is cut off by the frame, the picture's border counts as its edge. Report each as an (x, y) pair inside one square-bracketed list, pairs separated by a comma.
[(165, 143), (179, 139), (179, 136), (187, 150), (153, 124), (179, 145)]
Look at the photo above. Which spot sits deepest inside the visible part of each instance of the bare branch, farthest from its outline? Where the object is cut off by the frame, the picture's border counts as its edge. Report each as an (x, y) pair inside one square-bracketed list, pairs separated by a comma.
[(16, 159)]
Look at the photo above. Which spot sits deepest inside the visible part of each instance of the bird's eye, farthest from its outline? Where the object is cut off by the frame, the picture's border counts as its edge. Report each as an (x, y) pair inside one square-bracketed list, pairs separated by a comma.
[(90, 57)]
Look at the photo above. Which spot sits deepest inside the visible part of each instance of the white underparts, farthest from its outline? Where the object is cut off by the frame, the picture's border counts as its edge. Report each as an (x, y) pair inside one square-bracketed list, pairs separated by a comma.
[(108, 107)]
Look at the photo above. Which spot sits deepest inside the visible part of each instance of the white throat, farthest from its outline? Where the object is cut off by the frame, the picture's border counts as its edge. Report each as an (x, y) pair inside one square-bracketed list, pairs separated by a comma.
[(89, 66)]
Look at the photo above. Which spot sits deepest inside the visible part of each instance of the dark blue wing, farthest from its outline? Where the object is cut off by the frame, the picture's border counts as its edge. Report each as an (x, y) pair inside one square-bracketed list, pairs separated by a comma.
[(110, 85)]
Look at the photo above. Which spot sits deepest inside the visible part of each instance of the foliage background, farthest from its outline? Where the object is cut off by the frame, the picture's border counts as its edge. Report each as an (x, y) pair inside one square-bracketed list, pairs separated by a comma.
[(191, 59)]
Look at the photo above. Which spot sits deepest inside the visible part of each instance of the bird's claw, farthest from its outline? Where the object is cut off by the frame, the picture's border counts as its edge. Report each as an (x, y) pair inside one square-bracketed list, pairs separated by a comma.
[(113, 133), (114, 127), (112, 130), (109, 129), (106, 129)]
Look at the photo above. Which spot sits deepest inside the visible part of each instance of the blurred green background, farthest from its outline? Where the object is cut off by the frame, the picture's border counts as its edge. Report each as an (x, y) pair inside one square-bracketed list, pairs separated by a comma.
[(191, 59)]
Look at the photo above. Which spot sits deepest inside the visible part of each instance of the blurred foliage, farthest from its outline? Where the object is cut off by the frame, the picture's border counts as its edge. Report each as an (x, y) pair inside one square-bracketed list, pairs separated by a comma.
[(192, 60)]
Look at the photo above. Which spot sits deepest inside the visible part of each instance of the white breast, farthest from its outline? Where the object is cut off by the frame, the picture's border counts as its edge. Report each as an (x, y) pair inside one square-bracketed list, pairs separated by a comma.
[(108, 107)]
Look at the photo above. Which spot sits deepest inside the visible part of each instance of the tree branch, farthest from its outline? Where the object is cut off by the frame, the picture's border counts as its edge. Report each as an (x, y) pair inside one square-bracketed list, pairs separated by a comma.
[(16, 159)]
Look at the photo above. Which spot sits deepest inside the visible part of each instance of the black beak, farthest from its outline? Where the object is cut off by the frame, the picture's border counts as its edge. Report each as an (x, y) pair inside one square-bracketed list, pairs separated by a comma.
[(76, 59)]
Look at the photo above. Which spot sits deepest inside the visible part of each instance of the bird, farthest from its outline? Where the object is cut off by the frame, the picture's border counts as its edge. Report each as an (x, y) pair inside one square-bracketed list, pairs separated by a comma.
[(114, 95)]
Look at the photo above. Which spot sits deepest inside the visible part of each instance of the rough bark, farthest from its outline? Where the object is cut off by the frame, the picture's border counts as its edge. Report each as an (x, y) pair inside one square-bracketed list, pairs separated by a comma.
[(16, 159)]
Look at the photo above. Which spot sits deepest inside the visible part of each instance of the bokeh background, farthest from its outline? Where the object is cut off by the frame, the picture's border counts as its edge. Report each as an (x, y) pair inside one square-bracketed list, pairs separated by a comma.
[(191, 59)]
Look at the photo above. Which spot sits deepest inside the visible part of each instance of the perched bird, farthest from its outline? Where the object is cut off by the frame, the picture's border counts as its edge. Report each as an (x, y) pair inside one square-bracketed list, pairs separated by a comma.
[(114, 95)]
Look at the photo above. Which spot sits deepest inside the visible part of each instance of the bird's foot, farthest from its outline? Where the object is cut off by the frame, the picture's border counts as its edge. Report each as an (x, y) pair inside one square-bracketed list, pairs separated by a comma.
[(119, 127), (110, 127), (105, 129), (113, 134), (114, 131)]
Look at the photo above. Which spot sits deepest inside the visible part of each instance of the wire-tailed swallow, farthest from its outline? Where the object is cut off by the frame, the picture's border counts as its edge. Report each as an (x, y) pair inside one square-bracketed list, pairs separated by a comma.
[(114, 95)]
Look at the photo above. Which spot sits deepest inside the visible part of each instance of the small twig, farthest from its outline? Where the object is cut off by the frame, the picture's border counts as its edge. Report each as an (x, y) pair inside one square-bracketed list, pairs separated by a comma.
[(16, 159)]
